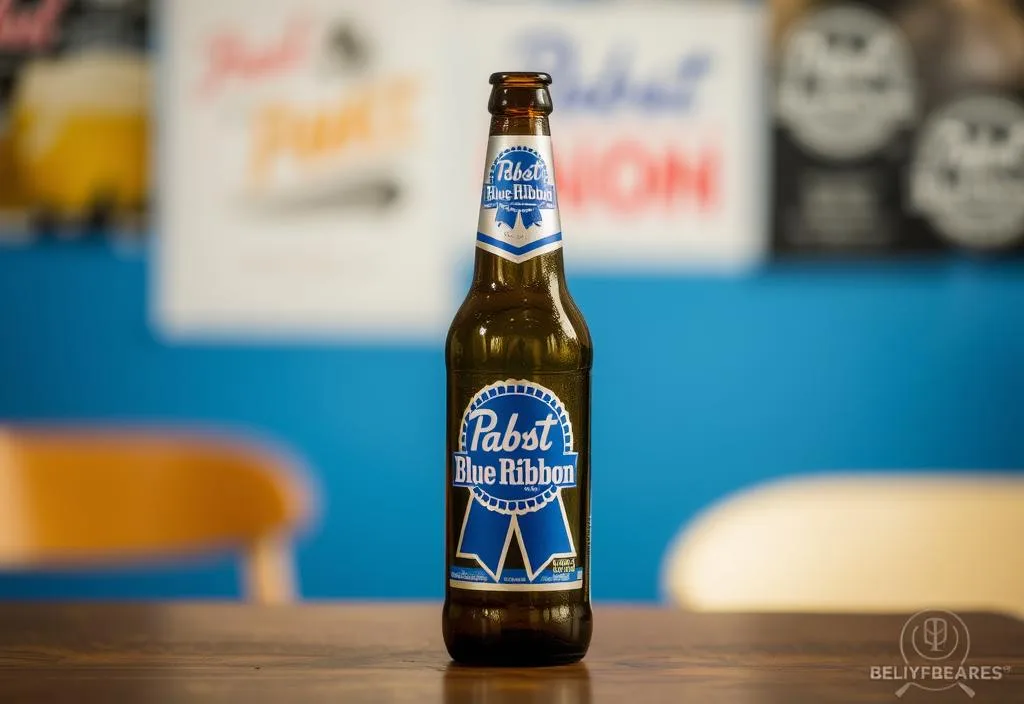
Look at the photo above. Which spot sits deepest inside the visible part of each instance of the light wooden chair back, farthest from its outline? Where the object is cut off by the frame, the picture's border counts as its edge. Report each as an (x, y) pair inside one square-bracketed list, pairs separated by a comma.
[(871, 543), (85, 499)]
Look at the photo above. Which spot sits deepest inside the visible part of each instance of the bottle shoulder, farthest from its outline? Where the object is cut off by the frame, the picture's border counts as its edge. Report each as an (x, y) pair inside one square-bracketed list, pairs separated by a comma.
[(519, 330)]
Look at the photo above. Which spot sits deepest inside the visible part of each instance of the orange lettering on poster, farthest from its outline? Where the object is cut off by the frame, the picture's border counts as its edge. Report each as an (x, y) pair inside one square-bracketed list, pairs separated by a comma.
[(377, 117)]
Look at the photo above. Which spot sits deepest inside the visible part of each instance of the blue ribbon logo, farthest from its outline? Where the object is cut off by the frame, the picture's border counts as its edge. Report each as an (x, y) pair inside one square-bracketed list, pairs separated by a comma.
[(515, 457), (518, 186)]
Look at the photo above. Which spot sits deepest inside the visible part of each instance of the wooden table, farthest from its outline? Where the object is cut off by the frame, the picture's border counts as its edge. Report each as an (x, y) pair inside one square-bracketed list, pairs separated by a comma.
[(357, 653)]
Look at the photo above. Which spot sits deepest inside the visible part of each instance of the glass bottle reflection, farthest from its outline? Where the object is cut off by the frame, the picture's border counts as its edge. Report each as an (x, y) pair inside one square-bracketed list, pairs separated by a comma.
[(561, 685)]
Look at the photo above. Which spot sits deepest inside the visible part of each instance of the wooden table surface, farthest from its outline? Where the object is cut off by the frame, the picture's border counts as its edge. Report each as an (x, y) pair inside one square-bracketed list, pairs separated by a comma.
[(357, 653)]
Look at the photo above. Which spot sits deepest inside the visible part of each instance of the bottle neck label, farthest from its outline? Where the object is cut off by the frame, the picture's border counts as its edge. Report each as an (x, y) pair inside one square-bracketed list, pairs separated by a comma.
[(518, 207)]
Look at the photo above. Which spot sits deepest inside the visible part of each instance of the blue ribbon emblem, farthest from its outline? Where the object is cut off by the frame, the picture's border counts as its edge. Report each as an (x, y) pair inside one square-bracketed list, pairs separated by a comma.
[(518, 186), (515, 456)]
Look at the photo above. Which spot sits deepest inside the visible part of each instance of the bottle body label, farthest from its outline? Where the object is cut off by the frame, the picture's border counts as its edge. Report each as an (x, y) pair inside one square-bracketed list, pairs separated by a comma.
[(515, 489), (518, 206)]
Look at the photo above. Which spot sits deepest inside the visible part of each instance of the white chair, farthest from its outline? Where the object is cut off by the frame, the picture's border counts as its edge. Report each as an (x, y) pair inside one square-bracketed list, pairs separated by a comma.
[(864, 543)]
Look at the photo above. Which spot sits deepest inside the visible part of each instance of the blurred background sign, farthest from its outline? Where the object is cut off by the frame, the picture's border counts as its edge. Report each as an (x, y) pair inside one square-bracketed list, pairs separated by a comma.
[(301, 170), (74, 117), (658, 127), (898, 126)]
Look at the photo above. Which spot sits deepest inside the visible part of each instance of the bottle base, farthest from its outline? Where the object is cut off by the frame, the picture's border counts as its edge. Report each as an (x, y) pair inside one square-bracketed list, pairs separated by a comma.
[(510, 636), (517, 649)]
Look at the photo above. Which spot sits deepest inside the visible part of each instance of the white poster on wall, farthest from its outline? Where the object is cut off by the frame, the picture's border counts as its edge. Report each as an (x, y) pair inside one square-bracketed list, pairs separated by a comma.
[(658, 125), (299, 151)]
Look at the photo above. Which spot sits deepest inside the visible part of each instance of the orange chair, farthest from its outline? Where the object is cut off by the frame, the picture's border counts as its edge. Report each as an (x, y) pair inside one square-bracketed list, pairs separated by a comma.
[(83, 499)]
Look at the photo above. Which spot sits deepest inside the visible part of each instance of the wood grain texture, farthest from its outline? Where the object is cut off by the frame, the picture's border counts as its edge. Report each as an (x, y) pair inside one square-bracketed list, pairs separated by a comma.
[(364, 653)]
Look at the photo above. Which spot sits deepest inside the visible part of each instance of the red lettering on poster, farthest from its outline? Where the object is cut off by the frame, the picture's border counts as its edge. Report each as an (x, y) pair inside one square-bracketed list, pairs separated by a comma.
[(231, 56), (29, 29), (632, 178)]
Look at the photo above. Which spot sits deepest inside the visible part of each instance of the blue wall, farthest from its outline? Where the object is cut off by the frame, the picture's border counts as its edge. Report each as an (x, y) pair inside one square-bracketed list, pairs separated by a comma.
[(701, 386)]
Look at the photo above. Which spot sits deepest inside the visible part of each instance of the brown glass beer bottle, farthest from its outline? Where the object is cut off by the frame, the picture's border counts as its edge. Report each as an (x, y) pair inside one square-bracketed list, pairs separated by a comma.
[(518, 355)]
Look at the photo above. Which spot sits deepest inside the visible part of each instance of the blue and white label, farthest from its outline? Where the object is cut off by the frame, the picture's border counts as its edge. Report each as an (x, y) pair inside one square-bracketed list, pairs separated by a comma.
[(518, 207), (515, 457)]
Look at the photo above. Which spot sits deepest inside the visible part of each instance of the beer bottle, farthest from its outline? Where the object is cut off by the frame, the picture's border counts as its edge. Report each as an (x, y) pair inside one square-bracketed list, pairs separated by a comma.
[(518, 357)]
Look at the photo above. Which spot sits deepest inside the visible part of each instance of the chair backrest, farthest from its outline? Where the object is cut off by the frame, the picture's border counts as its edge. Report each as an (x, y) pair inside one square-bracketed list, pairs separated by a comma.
[(81, 499), (856, 543)]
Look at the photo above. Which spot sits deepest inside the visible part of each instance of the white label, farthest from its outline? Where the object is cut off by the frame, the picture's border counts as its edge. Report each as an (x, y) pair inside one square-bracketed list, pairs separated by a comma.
[(518, 204)]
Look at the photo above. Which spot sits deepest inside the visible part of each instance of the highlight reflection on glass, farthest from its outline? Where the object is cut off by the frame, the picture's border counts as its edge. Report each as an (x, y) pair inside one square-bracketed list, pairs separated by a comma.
[(556, 685)]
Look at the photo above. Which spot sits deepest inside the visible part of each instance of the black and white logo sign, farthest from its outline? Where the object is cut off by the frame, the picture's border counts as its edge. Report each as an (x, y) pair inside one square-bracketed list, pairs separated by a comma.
[(967, 177), (846, 82)]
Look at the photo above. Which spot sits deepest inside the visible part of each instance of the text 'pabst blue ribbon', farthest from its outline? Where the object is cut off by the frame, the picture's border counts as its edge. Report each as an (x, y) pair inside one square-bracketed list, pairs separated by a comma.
[(515, 456), (518, 185)]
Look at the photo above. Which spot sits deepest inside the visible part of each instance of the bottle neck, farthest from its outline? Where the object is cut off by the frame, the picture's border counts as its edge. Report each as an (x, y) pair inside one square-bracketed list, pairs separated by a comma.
[(519, 237)]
